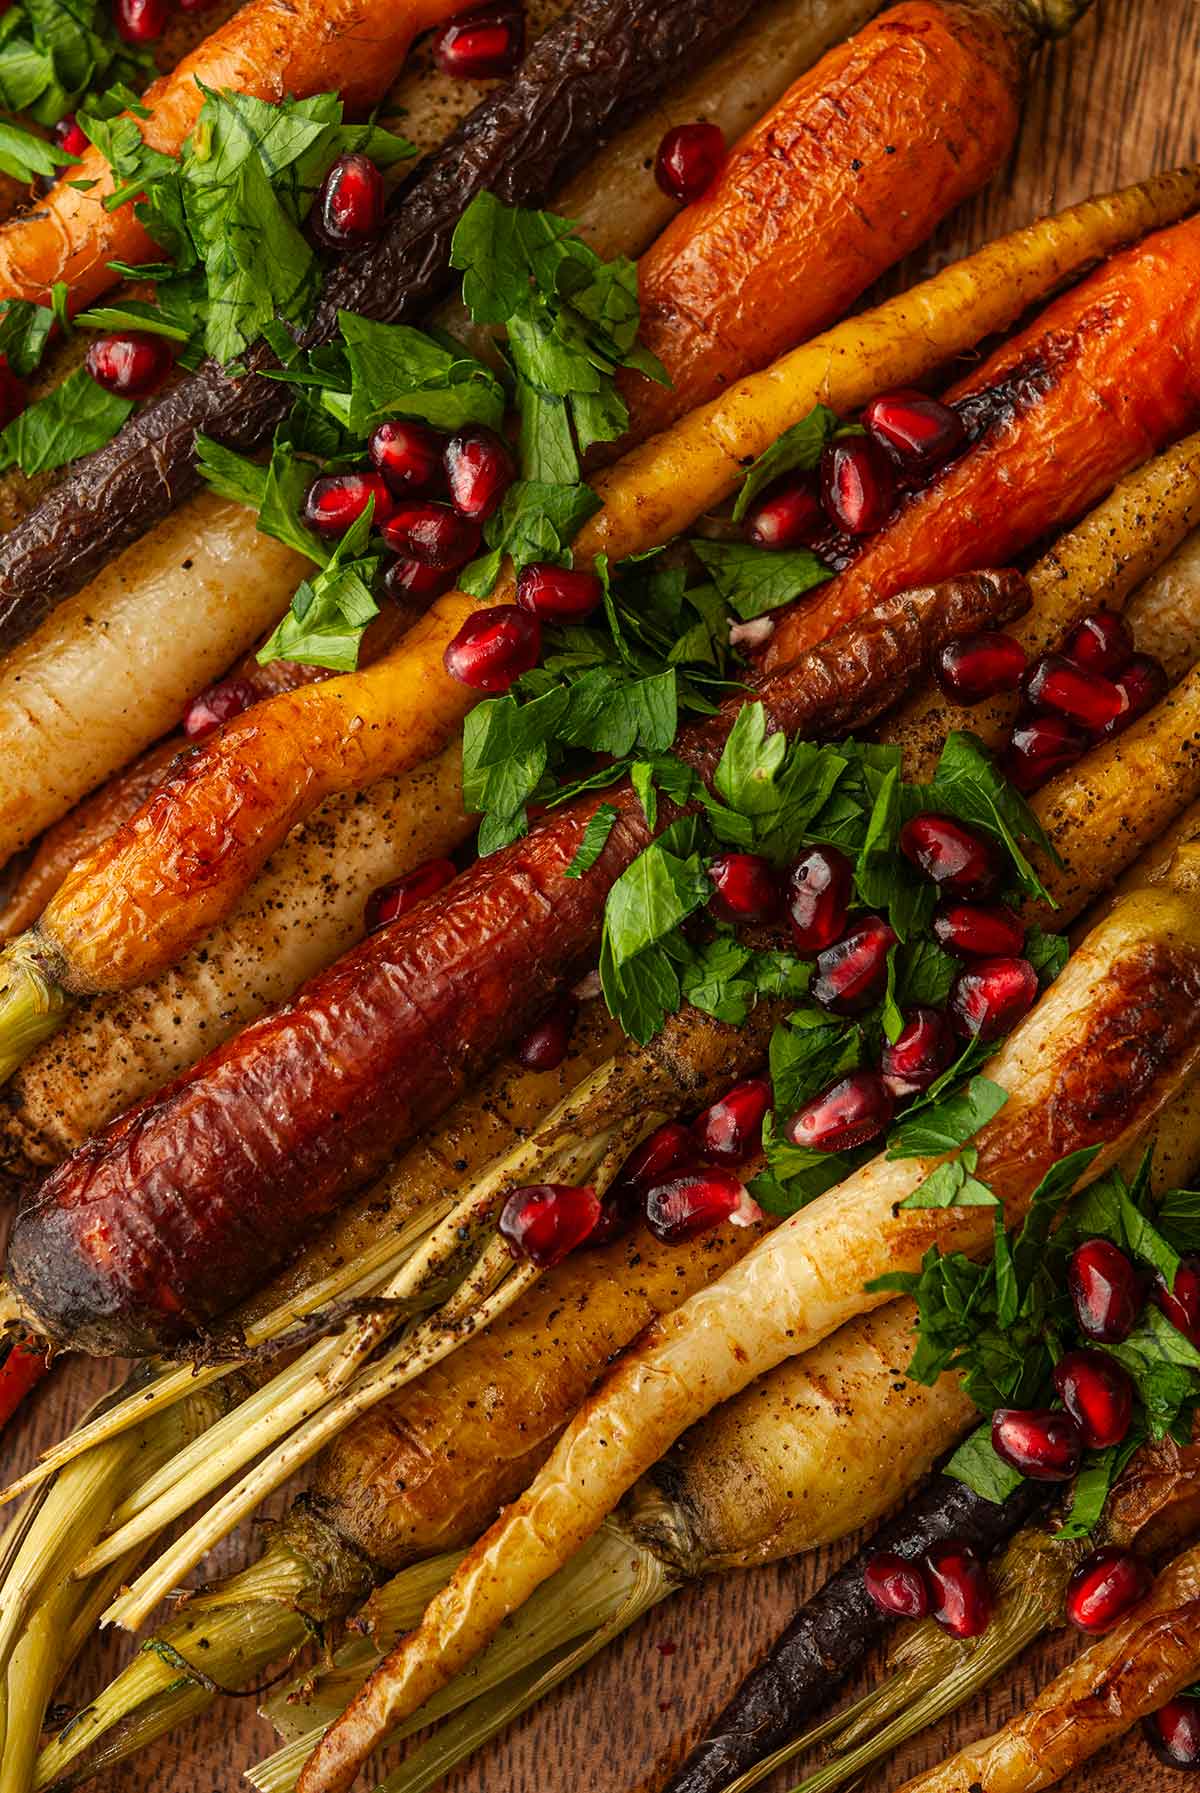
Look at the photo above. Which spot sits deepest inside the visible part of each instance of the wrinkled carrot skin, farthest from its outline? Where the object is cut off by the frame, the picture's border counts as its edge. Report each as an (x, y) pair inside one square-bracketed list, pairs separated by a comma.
[(855, 166), (1106, 376), (183, 1204), (269, 49)]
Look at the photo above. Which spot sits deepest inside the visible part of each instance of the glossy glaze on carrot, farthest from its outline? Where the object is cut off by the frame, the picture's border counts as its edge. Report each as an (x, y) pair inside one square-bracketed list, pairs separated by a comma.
[(1104, 377), (184, 1203)]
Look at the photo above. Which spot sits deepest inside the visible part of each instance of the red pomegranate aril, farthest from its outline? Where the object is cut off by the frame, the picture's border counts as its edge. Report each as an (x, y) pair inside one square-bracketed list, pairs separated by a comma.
[(404, 580), (432, 533), (1087, 699), (13, 397), (1173, 1733), (670, 1147), (337, 500), (1105, 1289), (689, 159), (850, 974), (1098, 1395), (1106, 1586), (693, 1203), (979, 666), (850, 1112), (70, 135), (819, 888), (1100, 643), (545, 1221), (545, 1047), (1038, 1442), (130, 364), (730, 1130), (978, 930), (962, 1598), (140, 21), (1143, 682), (350, 203), (209, 709), (620, 1210), (408, 454), (493, 648), (959, 861), (990, 996), (1038, 749), (391, 901), (858, 487), (745, 889), (787, 515), (557, 594), (479, 471), (1181, 1305), (483, 45), (923, 1049), (896, 1586), (918, 432)]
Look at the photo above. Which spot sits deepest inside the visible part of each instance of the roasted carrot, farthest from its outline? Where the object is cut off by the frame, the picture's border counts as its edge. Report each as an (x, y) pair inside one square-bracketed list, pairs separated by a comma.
[(1105, 377), (1108, 1044), (23, 1362), (416, 1011), (268, 49), (853, 168)]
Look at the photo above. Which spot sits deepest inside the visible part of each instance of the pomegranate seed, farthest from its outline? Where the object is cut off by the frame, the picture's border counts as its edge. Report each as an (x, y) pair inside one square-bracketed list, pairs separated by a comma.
[(990, 996), (1181, 1305), (1098, 1395), (1173, 1733), (895, 1586), (730, 1130), (1100, 643), (858, 486), (432, 533), (852, 972), (1105, 1289), (350, 203), (131, 364), (962, 1593), (689, 159), (70, 135), (978, 930), (1037, 1442), (1107, 1585), (1143, 682), (545, 1221), (405, 579), (619, 1212), (979, 666), (217, 705), (848, 1114), (546, 1046), (481, 45), (819, 888), (336, 500), (493, 648), (140, 21), (692, 1204), (407, 454), (479, 471), (557, 594), (787, 515), (391, 901), (1040, 748), (668, 1148), (1085, 698), (13, 397), (744, 888), (918, 432), (923, 1049), (961, 862)]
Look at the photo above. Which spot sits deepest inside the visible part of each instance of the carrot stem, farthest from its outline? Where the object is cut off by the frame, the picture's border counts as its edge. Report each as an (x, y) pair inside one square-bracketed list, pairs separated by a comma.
[(32, 1003)]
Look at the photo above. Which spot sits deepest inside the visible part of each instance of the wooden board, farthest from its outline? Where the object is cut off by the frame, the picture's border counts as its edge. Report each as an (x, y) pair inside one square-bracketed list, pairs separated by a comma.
[(1119, 99)]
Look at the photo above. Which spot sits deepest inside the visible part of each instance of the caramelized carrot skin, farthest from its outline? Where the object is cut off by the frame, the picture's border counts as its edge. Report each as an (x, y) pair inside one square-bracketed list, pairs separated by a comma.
[(182, 1205), (1107, 375), (854, 167), (270, 48)]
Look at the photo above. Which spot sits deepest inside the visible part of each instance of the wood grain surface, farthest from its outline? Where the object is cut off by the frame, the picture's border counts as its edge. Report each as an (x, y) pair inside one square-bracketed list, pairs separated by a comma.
[(1120, 98)]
